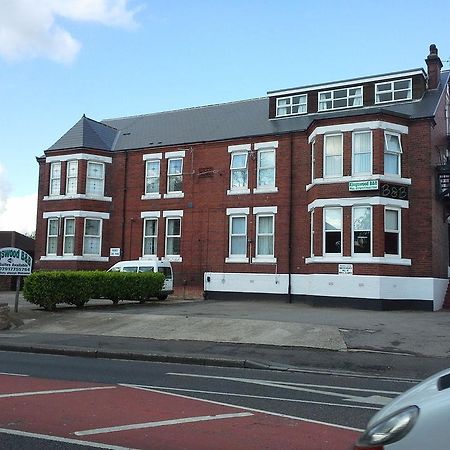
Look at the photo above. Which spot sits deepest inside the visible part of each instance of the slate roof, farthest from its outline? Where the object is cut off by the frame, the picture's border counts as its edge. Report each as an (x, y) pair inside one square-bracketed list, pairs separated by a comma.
[(219, 122)]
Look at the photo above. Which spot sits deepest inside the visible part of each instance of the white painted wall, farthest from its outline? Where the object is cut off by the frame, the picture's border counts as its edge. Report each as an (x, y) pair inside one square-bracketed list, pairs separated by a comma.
[(331, 285)]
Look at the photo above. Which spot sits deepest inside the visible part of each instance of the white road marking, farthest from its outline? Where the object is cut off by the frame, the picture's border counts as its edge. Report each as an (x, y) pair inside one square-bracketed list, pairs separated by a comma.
[(375, 399), (64, 440), (58, 391), (232, 394), (303, 419), (161, 423), (14, 374)]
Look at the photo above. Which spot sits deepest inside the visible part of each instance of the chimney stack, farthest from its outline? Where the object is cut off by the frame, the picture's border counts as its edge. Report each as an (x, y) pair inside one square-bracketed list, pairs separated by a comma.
[(434, 65)]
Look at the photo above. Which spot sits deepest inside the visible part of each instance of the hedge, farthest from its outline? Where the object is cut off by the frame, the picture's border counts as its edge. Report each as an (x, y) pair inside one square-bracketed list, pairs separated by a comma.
[(49, 288)]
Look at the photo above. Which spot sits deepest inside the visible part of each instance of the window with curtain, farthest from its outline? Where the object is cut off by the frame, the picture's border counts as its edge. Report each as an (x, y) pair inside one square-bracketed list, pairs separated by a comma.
[(55, 178), (266, 168), (95, 178), (332, 218), (238, 236), (362, 152), (152, 168), (175, 175), (71, 177), (332, 155), (150, 237), (52, 236), (392, 232), (239, 171), (173, 236), (340, 98), (92, 237), (265, 235), (362, 229), (392, 153), (69, 236)]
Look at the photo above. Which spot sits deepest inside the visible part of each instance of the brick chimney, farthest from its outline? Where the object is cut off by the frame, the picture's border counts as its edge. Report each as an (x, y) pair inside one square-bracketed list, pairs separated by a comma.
[(434, 65)]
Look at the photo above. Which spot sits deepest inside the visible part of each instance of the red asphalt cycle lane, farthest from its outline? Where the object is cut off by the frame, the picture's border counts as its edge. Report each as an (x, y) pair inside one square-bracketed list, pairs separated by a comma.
[(137, 418)]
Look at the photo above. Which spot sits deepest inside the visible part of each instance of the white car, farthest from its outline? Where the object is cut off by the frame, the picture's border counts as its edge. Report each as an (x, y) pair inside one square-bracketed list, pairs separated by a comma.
[(418, 419)]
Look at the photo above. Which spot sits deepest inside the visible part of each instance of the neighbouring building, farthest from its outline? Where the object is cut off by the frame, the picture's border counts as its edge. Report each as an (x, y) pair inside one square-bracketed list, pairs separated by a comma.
[(324, 193)]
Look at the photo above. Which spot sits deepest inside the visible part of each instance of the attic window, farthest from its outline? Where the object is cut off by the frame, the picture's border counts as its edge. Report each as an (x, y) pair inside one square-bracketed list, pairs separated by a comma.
[(294, 104), (393, 91), (340, 98)]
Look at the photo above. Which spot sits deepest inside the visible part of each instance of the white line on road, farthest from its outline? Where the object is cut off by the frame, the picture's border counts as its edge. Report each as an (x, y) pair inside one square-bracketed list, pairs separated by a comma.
[(58, 391), (374, 399), (161, 423), (283, 399), (158, 391), (62, 439)]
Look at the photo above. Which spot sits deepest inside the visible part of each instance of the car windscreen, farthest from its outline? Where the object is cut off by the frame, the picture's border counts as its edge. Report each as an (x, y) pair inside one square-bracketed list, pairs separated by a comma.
[(167, 271)]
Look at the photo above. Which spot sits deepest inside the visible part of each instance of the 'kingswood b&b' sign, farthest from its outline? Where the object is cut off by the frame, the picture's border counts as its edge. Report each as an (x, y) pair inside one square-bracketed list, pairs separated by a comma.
[(14, 261)]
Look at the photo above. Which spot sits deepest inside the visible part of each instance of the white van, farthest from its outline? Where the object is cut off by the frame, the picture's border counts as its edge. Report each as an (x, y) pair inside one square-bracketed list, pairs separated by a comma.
[(149, 265)]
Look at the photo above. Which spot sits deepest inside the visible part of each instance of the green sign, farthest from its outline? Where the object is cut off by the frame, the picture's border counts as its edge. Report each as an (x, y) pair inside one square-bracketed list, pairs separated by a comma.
[(14, 261), (367, 185)]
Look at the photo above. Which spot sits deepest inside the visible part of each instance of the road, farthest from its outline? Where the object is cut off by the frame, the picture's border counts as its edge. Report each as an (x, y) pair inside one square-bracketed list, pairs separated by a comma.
[(70, 403)]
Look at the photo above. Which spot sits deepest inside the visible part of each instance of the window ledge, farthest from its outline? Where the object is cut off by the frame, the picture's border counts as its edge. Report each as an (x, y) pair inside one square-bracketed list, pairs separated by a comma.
[(148, 258), (150, 196), (174, 195), (238, 191), (264, 260), (390, 260), (346, 179), (74, 258), (236, 259), (77, 197), (265, 190)]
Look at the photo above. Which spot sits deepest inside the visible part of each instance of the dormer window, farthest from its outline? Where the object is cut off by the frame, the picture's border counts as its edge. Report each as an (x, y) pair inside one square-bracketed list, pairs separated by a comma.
[(393, 91), (294, 104), (340, 98)]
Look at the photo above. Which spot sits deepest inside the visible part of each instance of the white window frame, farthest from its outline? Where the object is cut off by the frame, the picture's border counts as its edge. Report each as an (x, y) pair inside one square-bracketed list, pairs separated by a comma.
[(324, 237), (52, 236), (259, 168), (237, 257), (71, 177), (170, 175), (150, 236), (67, 235), (147, 176), (302, 105), (340, 174), (322, 101), (261, 235), (55, 190), (243, 168), (99, 236), (172, 236), (358, 254), (101, 193), (312, 233), (360, 153), (398, 154), (392, 91), (313, 160), (399, 231)]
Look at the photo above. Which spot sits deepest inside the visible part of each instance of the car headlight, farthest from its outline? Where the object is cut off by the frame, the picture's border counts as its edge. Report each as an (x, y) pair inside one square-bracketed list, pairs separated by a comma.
[(389, 430)]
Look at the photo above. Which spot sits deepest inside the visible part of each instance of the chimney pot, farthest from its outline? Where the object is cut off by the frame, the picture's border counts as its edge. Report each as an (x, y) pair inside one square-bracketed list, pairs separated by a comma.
[(434, 65)]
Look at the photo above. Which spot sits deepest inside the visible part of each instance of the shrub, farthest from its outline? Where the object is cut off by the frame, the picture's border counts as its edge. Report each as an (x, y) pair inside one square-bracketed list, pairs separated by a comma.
[(49, 288)]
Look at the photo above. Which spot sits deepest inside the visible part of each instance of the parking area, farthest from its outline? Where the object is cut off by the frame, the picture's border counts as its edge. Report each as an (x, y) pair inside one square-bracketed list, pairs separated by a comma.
[(128, 416)]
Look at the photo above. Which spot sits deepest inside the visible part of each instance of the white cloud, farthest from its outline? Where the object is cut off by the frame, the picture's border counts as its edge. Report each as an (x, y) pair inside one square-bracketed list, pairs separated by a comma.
[(19, 214), (30, 29)]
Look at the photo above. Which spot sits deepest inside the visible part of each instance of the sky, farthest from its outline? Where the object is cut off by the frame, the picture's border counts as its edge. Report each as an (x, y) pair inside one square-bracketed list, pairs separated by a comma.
[(60, 59)]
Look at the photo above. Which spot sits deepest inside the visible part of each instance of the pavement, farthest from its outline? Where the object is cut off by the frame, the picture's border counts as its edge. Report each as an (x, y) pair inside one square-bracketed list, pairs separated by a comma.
[(267, 334)]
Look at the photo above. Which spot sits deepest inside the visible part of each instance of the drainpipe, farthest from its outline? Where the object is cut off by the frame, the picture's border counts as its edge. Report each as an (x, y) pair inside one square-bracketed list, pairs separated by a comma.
[(291, 218), (124, 204)]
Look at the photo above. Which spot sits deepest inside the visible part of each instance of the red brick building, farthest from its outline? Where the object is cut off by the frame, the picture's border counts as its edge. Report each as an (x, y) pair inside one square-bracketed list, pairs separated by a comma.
[(325, 193)]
